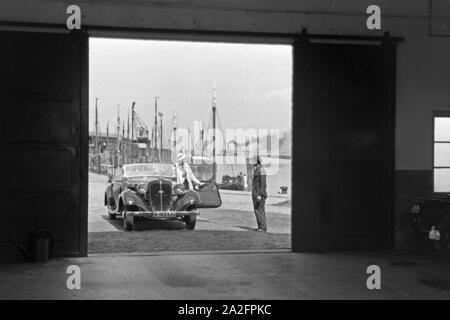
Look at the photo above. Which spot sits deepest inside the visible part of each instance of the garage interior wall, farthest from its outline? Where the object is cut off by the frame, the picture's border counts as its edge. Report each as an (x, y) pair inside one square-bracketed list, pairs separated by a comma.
[(423, 78)]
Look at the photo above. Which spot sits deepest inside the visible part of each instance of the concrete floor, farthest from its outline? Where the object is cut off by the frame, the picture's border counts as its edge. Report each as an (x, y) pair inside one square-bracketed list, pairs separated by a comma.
[(269, 275), (266, 274)]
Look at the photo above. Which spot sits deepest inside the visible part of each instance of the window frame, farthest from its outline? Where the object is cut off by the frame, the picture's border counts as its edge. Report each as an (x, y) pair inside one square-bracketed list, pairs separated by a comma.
[(437, 114)]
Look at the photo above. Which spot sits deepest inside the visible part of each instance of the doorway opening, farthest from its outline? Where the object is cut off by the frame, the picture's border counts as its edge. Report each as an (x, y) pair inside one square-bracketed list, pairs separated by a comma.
[(216, 107)]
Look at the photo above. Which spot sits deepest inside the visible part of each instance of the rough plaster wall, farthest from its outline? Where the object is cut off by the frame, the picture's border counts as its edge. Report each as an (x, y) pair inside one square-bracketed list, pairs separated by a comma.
[(232, 15), (423, 85)]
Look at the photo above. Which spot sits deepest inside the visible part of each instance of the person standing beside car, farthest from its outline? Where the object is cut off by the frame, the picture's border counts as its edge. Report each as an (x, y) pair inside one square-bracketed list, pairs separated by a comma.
[(259, 195), (184, 173)]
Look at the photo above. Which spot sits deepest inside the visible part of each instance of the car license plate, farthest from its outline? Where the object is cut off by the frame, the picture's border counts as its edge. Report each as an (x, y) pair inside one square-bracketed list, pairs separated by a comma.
[(164, 214)]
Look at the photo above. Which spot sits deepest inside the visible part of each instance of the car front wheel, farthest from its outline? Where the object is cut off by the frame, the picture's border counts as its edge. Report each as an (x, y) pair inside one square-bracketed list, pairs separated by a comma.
[(128, 221), (190, 222), (111, 216)]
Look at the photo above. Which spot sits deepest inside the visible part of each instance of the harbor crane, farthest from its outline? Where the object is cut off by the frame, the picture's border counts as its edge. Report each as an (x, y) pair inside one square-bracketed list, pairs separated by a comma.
[(139, 129)]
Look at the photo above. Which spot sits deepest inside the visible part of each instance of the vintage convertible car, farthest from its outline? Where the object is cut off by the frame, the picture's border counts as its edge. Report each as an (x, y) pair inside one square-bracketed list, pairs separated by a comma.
[(149, 191)]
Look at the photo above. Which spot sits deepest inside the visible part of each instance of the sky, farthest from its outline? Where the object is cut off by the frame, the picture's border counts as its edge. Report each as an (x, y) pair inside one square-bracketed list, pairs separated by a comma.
[(253, 82)]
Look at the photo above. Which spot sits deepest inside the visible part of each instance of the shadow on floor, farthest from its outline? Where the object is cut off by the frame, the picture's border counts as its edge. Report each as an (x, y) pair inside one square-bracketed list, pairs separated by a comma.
[(147, 224), (184, 240)]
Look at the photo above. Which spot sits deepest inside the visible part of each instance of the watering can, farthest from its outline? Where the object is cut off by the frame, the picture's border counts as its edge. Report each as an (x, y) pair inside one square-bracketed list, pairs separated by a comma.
[(42, 244)]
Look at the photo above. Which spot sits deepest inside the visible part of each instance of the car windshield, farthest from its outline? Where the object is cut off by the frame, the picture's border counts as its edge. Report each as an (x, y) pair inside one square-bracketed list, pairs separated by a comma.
[(148, 169)]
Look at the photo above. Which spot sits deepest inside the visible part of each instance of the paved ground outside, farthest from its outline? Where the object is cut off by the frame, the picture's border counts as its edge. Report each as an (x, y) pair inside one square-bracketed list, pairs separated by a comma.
[(230, 276), (229, 227)]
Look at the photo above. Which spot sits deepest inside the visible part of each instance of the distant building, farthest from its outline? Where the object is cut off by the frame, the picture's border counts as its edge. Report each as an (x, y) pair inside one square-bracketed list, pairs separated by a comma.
[(125, 152), (106, 142)]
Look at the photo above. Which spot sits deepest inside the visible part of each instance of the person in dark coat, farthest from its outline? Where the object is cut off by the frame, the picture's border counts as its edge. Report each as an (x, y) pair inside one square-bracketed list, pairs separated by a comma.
[(259, 195)]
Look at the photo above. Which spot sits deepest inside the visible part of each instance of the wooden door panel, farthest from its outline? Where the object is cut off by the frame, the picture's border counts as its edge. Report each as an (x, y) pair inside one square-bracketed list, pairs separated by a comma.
[(40, 137), (343, 146)]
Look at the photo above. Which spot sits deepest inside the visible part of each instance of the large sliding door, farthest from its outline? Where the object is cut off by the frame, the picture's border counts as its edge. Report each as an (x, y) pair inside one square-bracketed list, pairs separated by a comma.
[(43, 130), (344, 100)]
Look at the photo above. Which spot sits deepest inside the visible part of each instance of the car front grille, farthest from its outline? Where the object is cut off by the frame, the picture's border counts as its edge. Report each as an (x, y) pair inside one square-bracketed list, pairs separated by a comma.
[(160, 194)]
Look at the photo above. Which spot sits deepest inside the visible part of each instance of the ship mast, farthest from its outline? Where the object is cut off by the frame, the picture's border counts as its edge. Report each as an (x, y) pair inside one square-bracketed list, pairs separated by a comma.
[(155, 143), (132, 121), (97, 156), (160, 114), (175, 128), (118, 131), (214, 132), (128, 125)]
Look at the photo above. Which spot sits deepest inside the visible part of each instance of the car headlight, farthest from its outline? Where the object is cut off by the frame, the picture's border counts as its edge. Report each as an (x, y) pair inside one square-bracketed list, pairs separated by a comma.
[(142, 188), (178, 189)]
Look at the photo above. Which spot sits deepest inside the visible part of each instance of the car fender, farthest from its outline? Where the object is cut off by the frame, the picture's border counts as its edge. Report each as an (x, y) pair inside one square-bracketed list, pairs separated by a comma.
[(131, 199), (188, 199)]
